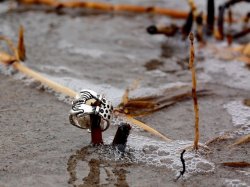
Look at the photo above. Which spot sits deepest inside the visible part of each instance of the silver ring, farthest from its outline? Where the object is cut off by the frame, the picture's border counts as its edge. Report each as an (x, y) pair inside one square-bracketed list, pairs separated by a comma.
[(82, 109)]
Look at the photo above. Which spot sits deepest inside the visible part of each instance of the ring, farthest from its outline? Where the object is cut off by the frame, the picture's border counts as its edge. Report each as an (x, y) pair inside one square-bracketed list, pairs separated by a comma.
[(87, 103)]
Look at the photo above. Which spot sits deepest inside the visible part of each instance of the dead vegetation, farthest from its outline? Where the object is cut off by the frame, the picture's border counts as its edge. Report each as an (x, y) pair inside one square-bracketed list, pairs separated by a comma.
[(194, 94), (107, 7)]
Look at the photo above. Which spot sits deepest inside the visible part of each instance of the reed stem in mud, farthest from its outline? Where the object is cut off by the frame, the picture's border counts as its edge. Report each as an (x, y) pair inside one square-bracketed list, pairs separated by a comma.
[(194, 94), (96, 132), (121, 136), (210, 17)]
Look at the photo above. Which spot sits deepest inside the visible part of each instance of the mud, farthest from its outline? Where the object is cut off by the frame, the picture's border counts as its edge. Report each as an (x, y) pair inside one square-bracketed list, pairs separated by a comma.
[(106, 52)]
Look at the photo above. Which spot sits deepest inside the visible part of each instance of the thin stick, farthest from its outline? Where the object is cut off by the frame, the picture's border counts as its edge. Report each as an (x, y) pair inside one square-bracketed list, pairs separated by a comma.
[(194, 94)]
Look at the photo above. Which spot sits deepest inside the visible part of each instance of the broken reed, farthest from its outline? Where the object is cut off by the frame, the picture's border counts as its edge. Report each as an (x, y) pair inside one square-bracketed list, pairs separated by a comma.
[(194, 94)]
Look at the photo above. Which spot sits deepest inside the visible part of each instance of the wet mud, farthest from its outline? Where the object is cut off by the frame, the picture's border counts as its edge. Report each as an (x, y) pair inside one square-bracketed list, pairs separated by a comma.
[(106, 52)]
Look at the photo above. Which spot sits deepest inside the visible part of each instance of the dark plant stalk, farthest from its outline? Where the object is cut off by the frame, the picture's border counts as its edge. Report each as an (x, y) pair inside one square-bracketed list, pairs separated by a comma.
[(121, 136), (199, 22), (210, 16), (186, 29)]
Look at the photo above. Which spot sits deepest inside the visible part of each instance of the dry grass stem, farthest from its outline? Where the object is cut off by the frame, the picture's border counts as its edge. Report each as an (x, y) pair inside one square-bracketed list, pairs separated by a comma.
[(142, 106), (194, 94), (236, 164), (243, 140), (109, 7), (21, 46), (147, 128)]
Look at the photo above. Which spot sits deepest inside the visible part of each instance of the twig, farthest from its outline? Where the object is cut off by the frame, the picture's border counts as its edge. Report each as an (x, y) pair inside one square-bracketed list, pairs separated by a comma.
[(194, 94), (183, 165)]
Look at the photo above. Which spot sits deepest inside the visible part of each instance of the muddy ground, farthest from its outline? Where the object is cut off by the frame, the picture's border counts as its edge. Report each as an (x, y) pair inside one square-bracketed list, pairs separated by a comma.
[(106, 52)]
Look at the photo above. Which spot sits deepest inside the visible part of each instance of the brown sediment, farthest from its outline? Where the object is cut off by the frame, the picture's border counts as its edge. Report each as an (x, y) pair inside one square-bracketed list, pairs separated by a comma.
[(194, 94), (236, 164), (153, 64), (246, 102)]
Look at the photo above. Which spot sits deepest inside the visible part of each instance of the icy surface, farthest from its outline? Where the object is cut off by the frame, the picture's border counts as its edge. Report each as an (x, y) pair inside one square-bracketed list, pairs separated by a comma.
[(233, 74), (161, 154), (240, 116), (240, 113), (234, 183)]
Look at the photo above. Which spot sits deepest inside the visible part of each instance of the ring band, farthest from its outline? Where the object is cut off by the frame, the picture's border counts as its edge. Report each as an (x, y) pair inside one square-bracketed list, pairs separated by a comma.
[(82, 109)]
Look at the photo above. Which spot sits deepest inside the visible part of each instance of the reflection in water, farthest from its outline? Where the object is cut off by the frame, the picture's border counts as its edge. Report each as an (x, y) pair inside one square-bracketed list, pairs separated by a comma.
[(114, 172)]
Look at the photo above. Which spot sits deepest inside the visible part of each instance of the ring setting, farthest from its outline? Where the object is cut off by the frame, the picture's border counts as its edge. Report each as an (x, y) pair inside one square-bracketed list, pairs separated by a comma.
[(87, 103)]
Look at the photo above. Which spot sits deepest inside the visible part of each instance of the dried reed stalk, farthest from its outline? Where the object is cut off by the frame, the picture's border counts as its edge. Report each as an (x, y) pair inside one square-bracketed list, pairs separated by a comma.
[(142, 106), (236, 164), (194, 94), (109, 7), (242, 140), (51, 84), (147, 128)]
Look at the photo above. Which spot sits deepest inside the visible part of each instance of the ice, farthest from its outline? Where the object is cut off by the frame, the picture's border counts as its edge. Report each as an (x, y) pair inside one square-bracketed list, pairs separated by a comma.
[(161, 154)]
